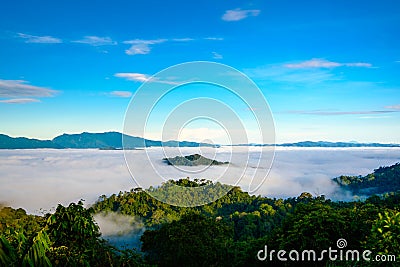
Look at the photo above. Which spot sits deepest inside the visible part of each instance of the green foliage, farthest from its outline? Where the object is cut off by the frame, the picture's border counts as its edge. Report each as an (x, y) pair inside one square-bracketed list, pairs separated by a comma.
[(194, 240), (384, 179), (73, 232), (70, 237), (17, 218), (312, 226), (385, 234), (18, 250), (227, 232)]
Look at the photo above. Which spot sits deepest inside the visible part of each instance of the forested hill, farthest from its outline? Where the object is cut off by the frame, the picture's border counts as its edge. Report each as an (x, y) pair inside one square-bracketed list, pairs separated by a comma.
[(192, 160), (382, 180), (227, 232)]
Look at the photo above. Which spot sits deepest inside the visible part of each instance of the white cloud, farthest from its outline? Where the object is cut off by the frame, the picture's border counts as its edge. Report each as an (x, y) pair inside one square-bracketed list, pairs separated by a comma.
[(124, 94), (239, 14), (19, 100), (39, 39), (217, 55), (393, 107), (20, 89), (141, 47), (131, 76), (62, 176), (96, 41), (322, 63)]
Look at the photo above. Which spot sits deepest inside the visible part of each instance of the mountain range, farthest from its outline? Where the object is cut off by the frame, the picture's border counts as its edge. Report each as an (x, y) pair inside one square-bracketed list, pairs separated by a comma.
[(108, 140), (113, 140), (327, 144)]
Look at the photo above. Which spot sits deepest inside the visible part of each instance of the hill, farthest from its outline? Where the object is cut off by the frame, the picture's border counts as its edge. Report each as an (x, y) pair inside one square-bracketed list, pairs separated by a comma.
[(192, 160), (382, 180)]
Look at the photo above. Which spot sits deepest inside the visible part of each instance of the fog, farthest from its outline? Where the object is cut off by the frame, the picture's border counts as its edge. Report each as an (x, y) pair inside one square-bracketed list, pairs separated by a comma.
[(120, 230), (38, 180)]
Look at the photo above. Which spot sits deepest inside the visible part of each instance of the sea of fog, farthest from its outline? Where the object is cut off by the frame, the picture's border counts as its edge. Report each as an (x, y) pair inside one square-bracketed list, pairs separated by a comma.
[(37, 180)]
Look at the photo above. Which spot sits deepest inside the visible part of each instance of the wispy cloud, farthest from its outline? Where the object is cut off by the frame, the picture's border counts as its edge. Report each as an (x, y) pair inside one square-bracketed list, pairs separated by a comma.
[(182, 39), (217, 55), (214, 38), (19, 101), (310, 72), (322, 63), (239, 14), (96, 41), (19, 92), (338, 113), (140, 77), (375, 117), (131, 76), (393, 107), (141, 47), (39, 39), (280, 73), (123, 94), (20, 89)]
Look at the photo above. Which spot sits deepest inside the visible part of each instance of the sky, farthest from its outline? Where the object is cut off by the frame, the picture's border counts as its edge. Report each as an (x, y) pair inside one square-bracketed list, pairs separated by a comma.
[(329, 70)]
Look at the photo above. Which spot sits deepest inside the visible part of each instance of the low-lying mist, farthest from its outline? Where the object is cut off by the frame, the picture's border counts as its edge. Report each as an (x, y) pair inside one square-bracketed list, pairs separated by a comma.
[(122, 231), (42, 178)]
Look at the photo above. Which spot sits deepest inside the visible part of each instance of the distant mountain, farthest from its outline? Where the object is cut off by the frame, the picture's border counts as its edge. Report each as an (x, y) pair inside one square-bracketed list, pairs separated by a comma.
[(101, 140), (109, 140), (325, 144), (336, 144), (113, 140), (7, 142)]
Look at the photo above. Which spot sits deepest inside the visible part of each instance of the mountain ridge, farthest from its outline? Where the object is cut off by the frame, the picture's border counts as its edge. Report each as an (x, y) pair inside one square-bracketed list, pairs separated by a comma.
[(85, 140), (114, 140)]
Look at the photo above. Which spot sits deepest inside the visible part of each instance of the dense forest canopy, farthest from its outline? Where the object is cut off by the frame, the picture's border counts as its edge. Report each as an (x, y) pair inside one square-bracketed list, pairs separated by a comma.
[(382, 180), (227, 232)]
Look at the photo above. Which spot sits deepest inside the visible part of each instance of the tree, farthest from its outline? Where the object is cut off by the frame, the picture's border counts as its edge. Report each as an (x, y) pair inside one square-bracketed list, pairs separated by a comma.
[(194, 240)]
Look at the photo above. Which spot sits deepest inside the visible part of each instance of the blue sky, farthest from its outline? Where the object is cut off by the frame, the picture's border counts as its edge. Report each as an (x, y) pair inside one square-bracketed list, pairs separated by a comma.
[(328, 69)]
